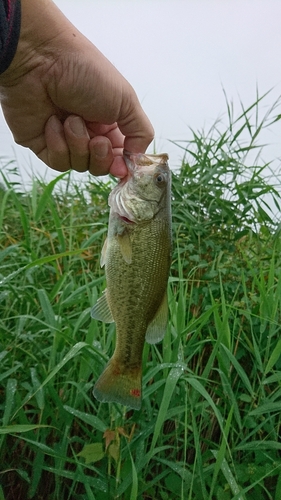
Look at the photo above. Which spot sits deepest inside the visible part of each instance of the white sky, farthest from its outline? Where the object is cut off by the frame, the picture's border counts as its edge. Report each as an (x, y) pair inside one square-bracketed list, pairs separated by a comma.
[(178, 54)]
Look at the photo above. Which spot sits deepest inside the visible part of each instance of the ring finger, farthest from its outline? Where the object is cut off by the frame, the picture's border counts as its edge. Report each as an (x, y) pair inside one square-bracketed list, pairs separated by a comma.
[(77, 139)]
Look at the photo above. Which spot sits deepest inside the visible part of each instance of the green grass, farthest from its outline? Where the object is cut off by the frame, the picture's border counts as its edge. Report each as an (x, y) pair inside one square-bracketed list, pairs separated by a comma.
[(209, 427)]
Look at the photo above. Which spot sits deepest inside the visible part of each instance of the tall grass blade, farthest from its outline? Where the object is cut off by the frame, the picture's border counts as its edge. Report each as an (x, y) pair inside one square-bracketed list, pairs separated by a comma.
[(230, 478), (46, 196), (170, 385)]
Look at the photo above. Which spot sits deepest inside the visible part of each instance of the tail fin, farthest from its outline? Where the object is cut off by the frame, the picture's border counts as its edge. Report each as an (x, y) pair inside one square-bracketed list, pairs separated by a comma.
[(119, 385)]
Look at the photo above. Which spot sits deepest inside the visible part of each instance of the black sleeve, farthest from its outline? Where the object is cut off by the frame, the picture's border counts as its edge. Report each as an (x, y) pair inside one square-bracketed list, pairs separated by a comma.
[(10, 16)]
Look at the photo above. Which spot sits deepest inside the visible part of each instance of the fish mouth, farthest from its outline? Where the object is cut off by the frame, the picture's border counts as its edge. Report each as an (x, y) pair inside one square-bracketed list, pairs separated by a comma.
[(126, 220), (138, 164), (135, 160)]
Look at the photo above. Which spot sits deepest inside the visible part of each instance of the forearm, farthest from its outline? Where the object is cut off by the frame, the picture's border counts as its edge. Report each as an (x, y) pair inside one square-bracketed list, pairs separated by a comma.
[(10, 13), (41, 23)]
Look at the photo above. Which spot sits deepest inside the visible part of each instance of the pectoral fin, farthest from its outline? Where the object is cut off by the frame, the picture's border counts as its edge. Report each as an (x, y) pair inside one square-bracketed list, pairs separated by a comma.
[(125, 245), (103, 254), (157, 327), (101, 310)]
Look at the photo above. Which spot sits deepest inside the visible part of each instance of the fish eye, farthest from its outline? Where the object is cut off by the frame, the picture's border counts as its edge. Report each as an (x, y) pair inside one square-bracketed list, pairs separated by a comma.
[(160, 179)]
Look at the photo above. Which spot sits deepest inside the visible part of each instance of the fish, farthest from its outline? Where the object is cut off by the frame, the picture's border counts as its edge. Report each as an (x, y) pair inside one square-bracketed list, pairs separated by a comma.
[(137, 257)]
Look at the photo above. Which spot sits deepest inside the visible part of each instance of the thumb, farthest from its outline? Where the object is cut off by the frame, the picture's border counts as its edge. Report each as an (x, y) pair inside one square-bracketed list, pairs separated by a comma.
[(136, 128)]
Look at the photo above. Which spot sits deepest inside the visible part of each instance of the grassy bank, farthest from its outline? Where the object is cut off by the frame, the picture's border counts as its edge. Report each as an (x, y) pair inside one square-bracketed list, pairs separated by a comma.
[(209, 427)]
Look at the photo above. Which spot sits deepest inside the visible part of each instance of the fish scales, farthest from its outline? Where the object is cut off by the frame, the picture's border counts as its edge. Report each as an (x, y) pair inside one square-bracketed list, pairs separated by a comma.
[(133, 312), (137, 258)]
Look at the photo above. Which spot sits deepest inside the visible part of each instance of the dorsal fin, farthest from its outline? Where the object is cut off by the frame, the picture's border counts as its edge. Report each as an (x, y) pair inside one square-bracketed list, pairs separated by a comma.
[(157, 327)]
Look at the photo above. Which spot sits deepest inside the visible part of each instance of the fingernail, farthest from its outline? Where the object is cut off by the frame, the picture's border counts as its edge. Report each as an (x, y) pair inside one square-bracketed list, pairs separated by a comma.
[(101, 150), (77, 126)]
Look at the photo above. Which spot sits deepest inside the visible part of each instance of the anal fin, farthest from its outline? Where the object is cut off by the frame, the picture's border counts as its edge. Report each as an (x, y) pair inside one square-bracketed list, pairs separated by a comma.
[(101, 310)]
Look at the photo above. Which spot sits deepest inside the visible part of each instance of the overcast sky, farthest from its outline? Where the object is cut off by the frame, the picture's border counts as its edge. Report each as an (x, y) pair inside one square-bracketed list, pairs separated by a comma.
[(178, 54)]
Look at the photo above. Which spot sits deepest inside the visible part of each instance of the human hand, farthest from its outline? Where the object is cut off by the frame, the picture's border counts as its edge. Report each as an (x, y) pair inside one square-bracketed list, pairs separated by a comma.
[(65, 101)]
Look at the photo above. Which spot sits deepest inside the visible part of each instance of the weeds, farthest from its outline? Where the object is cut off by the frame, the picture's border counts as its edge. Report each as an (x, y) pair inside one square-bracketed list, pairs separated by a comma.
[(209, 427)]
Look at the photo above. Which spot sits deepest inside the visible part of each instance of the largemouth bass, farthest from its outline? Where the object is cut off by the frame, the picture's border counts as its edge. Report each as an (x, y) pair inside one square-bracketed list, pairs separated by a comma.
[(137, 258)]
